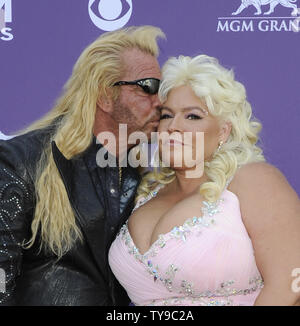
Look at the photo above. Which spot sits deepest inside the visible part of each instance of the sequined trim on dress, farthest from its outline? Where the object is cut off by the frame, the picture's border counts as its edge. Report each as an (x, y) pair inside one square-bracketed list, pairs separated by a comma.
[(220, 297), (178, 232), (207, 298), (151, 195)]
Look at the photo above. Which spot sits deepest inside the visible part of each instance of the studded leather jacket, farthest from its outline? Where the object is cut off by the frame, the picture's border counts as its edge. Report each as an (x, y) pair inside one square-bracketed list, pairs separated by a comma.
[(82, 276)]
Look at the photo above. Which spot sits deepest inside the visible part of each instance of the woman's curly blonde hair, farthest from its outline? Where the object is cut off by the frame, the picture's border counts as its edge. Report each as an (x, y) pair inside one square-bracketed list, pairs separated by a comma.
[(225, 99)]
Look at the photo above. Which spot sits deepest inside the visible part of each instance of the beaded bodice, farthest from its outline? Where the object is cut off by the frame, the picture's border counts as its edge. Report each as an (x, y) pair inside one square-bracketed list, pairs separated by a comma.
[(208, 260)]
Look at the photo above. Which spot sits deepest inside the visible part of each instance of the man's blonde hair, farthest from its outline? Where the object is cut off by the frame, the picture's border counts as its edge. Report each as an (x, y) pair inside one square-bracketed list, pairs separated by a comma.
[(97, 69)]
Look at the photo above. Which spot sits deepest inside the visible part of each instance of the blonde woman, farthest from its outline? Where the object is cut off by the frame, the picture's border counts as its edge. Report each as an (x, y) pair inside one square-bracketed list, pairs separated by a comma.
[(230, 236), (59, 210)]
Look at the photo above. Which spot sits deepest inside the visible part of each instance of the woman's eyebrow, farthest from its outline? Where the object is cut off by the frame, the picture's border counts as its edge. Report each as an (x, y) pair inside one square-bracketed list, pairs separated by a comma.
[(188, 108), (196, 108), (162, 107)]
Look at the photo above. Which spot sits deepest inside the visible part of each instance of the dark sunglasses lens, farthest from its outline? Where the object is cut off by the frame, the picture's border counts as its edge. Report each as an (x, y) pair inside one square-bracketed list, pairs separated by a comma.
[(150, 86)]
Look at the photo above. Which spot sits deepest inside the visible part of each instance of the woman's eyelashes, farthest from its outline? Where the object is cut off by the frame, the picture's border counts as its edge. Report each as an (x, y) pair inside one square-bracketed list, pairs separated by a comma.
[(190, 116), (165, 116), (193, 116)]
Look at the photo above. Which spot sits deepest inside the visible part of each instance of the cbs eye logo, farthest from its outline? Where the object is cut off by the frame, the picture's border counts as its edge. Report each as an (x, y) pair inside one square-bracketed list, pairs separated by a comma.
[(110, 13)]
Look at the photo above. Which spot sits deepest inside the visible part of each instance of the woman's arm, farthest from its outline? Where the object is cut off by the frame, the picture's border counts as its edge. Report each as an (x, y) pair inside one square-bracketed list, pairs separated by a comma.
[(271, 213)]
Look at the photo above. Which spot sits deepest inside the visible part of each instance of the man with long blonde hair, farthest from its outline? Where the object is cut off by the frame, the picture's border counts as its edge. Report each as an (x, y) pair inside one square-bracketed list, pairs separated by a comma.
[(60, 211)]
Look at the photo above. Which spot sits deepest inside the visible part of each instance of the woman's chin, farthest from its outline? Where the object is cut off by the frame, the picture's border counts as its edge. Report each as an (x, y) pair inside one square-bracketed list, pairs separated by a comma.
[(192, 170), (175, 165)]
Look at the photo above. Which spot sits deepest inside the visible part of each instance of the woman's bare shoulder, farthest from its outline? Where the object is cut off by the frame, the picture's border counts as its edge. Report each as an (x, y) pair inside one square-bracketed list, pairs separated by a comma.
[(265, 196), (261, 178)]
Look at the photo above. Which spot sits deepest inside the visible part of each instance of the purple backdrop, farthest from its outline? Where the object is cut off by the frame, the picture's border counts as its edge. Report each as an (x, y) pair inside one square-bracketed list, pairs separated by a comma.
[(42, 40)]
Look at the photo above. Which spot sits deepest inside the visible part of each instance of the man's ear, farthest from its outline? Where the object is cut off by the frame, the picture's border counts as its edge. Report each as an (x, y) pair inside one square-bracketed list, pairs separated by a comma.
[(225, 130), (105, 102)]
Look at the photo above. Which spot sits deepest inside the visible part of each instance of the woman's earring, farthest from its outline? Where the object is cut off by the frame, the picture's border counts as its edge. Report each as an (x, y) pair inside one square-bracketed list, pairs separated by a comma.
[(220, 145)]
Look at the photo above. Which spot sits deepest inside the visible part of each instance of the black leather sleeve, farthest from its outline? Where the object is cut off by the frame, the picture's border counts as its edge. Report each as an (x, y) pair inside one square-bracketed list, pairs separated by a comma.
[(15, 202)]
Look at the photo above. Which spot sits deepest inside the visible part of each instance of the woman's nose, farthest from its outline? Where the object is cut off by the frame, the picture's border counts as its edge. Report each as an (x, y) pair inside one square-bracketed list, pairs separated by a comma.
[(175, 125)]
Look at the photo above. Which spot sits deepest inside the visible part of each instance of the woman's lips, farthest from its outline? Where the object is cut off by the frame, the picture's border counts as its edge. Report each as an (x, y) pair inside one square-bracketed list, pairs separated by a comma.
[(173, 142)]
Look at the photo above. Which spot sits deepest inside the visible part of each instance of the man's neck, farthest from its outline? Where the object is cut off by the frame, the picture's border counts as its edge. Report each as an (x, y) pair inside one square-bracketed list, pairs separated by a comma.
[(106, 130)]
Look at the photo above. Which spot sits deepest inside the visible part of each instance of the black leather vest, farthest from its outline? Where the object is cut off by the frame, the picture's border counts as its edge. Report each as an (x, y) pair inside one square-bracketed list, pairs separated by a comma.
[(82, 276)]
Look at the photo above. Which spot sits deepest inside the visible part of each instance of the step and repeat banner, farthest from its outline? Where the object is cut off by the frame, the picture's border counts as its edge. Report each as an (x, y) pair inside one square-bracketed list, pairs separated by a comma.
[(40, 40)]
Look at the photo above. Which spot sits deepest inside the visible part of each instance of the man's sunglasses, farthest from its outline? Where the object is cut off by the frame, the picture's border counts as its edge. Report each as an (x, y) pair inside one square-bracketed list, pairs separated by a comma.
[(149, 85)]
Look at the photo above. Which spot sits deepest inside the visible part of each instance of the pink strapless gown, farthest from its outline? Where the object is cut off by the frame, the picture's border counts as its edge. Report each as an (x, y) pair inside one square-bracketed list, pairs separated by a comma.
[(207, 261)]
